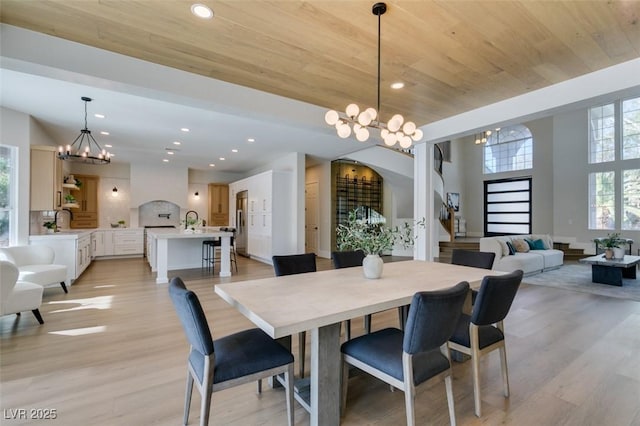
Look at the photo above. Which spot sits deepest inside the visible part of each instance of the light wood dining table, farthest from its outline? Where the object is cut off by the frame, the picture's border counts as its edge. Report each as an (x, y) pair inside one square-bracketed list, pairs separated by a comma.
[(320, 301)]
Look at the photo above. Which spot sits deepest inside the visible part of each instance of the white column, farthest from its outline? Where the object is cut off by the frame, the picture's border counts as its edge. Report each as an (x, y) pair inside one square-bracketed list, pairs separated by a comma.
[(423, 198), (225, 259), (162, 260)]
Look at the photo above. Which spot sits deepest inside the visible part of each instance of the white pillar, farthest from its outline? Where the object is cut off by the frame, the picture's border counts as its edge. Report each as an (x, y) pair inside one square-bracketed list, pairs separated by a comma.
[(423, 201)]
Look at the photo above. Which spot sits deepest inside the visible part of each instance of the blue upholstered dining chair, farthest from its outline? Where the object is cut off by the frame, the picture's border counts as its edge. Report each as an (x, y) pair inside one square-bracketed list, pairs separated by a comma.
[(233, 360), (475, 259), (350, 259), (410, 358), (483, 331), (290, 265)]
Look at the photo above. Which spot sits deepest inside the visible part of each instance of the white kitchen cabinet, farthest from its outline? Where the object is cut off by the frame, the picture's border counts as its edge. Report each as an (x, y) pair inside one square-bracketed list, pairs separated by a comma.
[(83, 250), (118, 242), (128, 242), (270, 225), (71, 249), (97, 244)]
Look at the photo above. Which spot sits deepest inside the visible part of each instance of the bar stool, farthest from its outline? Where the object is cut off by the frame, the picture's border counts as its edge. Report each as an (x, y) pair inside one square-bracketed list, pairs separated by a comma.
[(209, 252)]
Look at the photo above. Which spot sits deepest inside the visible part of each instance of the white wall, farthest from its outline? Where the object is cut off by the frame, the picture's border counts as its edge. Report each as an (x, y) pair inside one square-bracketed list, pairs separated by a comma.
[(15, 131)]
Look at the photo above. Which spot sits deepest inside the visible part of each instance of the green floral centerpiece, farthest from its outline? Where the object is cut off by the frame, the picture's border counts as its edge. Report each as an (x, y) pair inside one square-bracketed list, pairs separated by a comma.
[(611, 242), (358, 233)]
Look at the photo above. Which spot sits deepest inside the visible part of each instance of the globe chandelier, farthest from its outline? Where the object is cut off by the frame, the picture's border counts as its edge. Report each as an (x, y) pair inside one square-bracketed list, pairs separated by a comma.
[(396, 130), (84, 148)]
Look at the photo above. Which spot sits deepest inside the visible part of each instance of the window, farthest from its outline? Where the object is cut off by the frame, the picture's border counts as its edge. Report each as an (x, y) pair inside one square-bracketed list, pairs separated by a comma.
[(508, 149), (507, 206), (602, 126), (7, 177), (614, 145), (602, 200), (631, 129), (631, 201)]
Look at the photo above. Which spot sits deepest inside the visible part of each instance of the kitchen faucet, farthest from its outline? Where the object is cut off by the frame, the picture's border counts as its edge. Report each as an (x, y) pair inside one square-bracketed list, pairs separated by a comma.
[(186, 217), (55, 216)]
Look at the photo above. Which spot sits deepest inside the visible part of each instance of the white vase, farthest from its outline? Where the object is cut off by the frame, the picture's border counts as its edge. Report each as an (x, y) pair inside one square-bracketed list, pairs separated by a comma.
[(618, 252), (372, 266)]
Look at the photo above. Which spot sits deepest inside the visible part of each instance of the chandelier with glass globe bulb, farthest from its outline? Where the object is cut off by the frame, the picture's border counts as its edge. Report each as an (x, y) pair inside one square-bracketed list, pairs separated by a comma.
[(360, 123)]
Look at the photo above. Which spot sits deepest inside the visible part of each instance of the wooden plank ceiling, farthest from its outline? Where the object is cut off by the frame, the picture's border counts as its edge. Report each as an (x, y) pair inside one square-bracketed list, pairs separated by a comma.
[(453, 56)]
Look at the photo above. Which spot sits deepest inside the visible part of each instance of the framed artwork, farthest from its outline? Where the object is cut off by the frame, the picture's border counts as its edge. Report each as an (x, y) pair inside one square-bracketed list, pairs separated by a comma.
[(453, 200)]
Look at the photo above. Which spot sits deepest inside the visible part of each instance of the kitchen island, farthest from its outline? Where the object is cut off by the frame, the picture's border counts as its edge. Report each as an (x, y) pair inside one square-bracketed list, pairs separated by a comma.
[(171, 249)]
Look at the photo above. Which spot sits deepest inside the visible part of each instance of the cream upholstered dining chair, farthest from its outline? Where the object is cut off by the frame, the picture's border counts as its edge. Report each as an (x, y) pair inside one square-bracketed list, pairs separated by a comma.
[(215, 365), (483, 331), (291, 265), (18, 296), (417, 355), (35, 263)]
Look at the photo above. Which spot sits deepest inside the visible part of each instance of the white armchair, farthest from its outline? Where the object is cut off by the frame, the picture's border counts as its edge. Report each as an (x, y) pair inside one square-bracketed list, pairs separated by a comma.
[(18, 296), (35, 264)]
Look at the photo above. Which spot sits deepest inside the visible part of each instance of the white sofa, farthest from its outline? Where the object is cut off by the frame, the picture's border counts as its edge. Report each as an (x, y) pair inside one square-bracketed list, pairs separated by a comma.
[(531, 262)]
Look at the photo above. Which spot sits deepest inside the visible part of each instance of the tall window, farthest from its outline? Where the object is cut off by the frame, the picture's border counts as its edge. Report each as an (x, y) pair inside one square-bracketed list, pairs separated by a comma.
[(7, 176), (602, 129), (614, 145), (631, 201), (508, 149), (507, 206), (602, 200), (631, 129)]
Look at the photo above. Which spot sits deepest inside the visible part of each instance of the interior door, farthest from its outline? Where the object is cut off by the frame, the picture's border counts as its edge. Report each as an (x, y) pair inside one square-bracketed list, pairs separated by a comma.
[(311, 217)]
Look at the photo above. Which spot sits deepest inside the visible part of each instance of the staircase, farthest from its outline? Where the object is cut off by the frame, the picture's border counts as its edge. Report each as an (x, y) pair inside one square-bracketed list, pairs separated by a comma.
[(446, 247), (569, 253)]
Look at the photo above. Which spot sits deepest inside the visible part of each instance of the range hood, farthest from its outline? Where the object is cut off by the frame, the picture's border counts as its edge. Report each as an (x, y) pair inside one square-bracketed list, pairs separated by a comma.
[(159, 182)]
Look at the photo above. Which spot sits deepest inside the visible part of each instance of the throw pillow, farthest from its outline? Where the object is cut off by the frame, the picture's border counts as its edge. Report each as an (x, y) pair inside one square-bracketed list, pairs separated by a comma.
[(530, 243), (504, 247), (521, 246), (512, 249), (538, 245)]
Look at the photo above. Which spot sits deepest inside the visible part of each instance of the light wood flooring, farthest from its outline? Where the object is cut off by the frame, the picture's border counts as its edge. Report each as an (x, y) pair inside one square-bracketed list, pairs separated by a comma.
[(112, 352)]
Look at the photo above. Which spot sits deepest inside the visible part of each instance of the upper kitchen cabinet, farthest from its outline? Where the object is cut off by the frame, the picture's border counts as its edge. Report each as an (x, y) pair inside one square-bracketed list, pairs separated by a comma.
[(46, 178), (218, 204), (86, 214)]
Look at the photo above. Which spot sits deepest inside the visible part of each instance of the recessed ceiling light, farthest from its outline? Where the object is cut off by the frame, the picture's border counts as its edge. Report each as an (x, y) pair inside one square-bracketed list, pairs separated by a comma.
[(98, 115), (397, 85), (108, 146), (184, 129), (211, 165), (104, 133), (201, 11), (170, 152), (234, 150), (165, 160), (177, 142), (221, 158), (251, 140)]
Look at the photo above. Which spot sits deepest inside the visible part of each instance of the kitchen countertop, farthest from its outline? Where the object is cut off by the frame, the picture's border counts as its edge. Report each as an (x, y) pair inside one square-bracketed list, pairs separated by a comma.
[(168, 233), (77, 233)]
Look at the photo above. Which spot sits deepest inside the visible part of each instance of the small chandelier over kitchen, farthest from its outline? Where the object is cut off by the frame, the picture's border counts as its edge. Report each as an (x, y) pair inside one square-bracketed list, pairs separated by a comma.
[(84, 149), (395, 130)]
